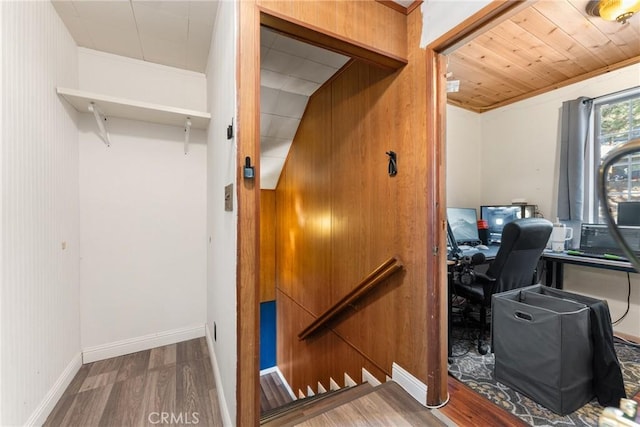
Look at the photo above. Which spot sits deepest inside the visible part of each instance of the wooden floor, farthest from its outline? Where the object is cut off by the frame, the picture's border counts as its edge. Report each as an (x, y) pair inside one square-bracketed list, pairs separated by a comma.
[(468, 408), (387, 405), (465, 407), (171, 385), (273, 393)]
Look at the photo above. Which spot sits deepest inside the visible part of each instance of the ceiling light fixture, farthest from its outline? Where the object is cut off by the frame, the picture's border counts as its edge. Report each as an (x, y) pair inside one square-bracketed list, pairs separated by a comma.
[(614, 10)]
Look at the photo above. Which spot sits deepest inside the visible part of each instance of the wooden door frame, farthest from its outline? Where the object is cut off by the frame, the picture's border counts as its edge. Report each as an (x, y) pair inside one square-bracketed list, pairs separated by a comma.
[(437, 289)]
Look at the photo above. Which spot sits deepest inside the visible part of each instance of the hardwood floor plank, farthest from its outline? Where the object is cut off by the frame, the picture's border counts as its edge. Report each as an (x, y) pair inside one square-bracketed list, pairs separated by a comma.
[(387, 405), (133, 365), (209, 377), (124, 407), (160, 391), (190, 350), (58, 413), (78, 380), (162, 356), (87, 407), (273, 392), (105, 366), (411, 410), (146, 388), (215, 407), (99, 380), (192, 392), (467, 407)]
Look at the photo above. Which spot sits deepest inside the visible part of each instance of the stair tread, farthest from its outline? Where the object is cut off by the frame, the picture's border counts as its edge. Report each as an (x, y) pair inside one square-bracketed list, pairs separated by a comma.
[(383, 405), (313, 405)]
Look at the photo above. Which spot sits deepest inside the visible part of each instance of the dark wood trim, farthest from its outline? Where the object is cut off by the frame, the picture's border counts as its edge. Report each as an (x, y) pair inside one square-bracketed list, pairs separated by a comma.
[(372, 279), (436, 304), (436, 219), (399, 8), (466, 407), (489, 16), (315, 36), (628, 337), (248, 240), (413, 6)]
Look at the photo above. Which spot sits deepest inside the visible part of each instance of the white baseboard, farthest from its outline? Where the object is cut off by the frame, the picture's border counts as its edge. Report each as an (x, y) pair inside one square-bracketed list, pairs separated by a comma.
[(416, 388), (222, 402), (39, 416), (146, 342)]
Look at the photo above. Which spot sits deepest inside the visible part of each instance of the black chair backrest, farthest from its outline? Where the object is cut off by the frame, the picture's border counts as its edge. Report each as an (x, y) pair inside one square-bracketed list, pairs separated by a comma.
[(523, 241)]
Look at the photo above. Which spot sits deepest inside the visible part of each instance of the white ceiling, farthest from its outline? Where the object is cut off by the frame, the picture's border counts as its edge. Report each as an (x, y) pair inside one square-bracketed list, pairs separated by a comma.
[(178, 33), (175, 33), (290, 71)]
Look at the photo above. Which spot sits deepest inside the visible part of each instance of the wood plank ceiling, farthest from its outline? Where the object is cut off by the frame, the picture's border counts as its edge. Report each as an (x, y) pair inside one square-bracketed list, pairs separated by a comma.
[(550, 44)]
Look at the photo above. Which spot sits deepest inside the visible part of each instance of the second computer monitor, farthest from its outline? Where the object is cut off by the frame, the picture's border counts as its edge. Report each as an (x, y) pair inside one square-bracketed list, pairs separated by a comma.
[(497, 216)]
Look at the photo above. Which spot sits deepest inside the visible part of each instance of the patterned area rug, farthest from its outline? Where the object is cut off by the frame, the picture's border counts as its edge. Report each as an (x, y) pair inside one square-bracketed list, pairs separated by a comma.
[(476, 371)]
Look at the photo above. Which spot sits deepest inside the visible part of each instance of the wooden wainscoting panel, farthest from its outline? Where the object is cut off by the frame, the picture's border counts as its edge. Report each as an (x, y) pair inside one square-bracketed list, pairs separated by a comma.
[(303, 216), (267, 245), (302, 362)]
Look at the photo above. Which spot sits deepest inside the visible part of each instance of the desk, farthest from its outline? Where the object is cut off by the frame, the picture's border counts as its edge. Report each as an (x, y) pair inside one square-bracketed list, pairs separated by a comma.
[(554, 266)]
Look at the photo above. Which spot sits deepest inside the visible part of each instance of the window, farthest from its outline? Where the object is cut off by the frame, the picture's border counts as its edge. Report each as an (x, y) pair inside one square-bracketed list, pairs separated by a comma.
[(616, 121)]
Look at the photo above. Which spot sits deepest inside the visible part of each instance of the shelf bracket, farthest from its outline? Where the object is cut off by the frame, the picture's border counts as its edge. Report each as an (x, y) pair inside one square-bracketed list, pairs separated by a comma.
[(100, 118), (187, 133)]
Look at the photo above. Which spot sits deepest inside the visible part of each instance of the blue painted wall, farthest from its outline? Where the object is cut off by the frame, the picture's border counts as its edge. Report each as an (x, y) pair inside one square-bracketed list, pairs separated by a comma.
[(267, 334)]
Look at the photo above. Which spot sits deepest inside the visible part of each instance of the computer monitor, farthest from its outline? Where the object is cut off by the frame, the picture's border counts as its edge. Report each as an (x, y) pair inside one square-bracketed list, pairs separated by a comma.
[(629, 213), (464, 225), (498, 216)]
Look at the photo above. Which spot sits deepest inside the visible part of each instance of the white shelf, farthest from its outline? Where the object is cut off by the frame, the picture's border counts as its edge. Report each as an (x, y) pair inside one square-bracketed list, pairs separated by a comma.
[(111, 106)]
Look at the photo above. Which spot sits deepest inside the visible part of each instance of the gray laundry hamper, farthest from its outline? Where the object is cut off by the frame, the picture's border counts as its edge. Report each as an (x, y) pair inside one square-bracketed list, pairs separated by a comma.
[(543, 348)]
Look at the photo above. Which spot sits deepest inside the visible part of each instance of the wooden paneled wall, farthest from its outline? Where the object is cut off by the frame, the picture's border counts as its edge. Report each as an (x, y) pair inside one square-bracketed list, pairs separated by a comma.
[(339, 215), (365, 23), (267, 245)]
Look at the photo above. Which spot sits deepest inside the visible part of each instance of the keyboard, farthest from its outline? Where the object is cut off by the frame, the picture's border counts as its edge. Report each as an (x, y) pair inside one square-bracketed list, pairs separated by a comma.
[(612, 257)]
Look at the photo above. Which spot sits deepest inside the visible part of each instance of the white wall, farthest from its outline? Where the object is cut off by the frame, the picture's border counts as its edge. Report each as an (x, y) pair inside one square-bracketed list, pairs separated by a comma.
[(222, 226), (115, 75), (519, 158), (464, 147), (142, 217), (39, 293), (440, 16)]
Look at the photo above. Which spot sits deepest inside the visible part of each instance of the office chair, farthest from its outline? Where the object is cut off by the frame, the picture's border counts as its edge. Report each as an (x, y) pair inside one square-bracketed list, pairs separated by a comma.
[(523, 241)]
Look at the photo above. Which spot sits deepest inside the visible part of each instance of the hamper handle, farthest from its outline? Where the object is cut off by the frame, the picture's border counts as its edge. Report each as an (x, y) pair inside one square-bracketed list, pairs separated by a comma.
[(523, 316)]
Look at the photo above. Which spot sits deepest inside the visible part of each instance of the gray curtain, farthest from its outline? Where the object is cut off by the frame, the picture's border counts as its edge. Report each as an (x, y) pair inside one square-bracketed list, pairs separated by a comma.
[(574, 129)]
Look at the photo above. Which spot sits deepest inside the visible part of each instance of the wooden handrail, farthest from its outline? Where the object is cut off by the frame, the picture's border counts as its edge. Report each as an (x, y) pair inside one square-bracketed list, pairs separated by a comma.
[(385, 270)]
